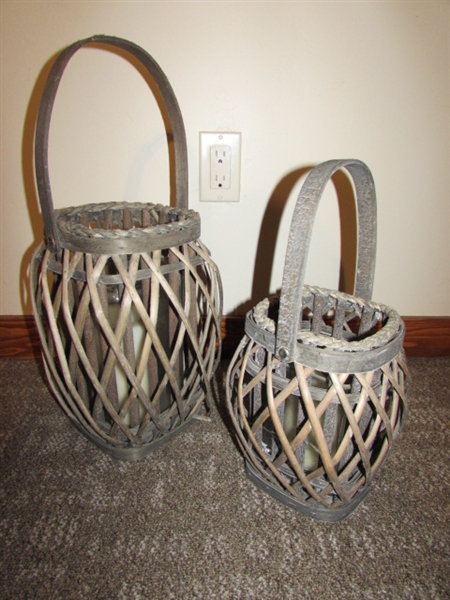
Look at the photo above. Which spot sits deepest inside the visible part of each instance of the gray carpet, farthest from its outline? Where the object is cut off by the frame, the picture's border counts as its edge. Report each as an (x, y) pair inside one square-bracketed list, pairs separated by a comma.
[(187, 523)]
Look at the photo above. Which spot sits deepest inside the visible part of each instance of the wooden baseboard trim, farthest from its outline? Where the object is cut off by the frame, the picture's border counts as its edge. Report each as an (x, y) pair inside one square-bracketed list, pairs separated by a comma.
[(425, 336), (19, 337)]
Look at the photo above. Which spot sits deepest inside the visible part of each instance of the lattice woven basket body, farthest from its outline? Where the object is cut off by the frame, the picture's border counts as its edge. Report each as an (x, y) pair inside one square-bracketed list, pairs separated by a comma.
[(126, 298), (317, 387)]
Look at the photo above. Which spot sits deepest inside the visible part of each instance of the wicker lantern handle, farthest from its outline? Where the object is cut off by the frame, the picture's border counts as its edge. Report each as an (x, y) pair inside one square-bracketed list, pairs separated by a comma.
[(300, 238), (43, 126)]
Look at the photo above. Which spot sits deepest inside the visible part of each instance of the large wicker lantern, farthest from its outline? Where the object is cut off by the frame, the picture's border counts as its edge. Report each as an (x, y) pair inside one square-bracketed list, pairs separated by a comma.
[(317, 388), (126, 298)]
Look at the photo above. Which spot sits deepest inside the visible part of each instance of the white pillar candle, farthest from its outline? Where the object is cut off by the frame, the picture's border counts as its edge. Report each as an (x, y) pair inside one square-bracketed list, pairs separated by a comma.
[(123, 385)]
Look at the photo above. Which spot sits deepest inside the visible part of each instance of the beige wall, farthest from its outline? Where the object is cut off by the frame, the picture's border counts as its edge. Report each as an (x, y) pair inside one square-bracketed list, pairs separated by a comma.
[(303, 81)]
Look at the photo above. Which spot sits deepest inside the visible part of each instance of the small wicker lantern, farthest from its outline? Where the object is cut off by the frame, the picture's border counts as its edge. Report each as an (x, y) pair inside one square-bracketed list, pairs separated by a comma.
[(317, 388), (126, 298)]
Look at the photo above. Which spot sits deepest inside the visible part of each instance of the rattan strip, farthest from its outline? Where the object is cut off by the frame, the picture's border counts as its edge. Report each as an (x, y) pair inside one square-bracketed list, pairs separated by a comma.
[(78, 328), (93, 273), (54, 379), (301, 475), (55, 309), (305, 430), (347, 472), (123, 332), (249, 448), (194, 372), (150, 327), (343, 482), (115, 279), (191, 334), (75, 401)]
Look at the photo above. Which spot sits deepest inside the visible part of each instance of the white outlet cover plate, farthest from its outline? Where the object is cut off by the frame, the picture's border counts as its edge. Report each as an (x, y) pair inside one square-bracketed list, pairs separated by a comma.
[(208, 139)]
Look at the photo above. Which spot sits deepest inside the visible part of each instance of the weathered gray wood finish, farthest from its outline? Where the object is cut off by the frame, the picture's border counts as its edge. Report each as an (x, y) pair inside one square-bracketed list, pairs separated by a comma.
[(52, 232), (317, 388), (126, 298)]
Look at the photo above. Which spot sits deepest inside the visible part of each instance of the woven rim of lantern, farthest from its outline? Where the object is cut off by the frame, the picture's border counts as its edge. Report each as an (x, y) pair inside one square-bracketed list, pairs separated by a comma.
[(322, 350), (116, 228)]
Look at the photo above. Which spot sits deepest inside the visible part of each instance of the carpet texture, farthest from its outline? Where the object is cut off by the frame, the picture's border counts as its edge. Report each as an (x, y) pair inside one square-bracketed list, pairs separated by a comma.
[(185, 522)]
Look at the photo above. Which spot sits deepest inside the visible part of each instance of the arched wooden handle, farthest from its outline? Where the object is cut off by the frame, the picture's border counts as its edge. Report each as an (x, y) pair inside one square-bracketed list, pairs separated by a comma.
[(45, 112), (300, 238)]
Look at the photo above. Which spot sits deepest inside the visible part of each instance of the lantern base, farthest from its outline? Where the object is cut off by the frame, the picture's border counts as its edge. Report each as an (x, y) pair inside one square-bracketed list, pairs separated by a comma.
[(319, 513), (137, 452)]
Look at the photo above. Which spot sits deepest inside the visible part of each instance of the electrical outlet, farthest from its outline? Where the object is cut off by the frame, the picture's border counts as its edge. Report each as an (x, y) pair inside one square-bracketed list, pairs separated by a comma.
[(220, 166)]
